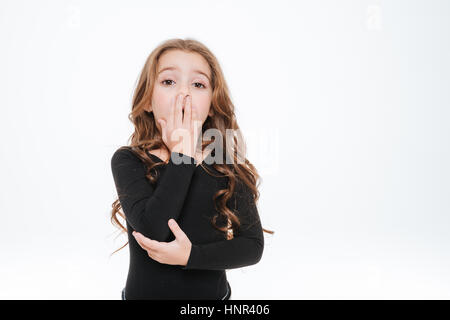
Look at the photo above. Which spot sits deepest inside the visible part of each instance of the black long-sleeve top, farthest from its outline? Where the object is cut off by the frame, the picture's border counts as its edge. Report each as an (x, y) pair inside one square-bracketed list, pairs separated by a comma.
[(184, 192)]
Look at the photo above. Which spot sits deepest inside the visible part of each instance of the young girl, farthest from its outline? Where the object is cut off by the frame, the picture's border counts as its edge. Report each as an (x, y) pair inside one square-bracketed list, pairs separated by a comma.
[(190, 212)]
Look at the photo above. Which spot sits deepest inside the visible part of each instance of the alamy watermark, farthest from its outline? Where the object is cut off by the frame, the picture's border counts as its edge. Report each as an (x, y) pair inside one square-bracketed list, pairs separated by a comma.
[(264, 151)]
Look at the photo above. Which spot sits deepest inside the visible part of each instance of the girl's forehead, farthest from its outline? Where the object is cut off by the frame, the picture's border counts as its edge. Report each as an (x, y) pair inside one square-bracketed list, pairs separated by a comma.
[(183, 61)]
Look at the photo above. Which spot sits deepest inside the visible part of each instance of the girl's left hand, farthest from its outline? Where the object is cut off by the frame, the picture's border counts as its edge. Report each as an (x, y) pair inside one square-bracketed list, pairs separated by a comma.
[(176, 252)]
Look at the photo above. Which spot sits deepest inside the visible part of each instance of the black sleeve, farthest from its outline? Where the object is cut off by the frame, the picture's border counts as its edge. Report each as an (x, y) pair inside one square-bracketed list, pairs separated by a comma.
[(246, 247), (146, 209)]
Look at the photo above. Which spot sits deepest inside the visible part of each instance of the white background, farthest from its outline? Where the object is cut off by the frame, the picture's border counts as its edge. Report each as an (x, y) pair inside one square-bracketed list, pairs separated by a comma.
[(344, 104)]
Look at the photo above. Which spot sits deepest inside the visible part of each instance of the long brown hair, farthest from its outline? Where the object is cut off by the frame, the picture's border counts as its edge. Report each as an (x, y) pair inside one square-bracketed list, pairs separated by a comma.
[(147, 137)]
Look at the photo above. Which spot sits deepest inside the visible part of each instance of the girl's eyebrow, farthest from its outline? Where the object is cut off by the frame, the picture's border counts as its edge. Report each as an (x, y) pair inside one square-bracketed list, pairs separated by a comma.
[(176, 68)]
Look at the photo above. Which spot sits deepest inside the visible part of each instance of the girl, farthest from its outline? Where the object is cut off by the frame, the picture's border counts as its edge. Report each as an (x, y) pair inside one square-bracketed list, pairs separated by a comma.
[(190, 212)]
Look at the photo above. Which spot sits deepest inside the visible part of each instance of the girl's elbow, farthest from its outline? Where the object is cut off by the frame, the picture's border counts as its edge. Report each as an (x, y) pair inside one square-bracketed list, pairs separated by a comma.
[(259, 250)]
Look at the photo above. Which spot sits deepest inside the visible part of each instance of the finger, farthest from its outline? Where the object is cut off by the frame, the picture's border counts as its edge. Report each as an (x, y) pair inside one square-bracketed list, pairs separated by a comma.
[(139, 240), (179, 112), (172, 112), (195, 116), (152, 255), (150, 244), (187, 119), (147, 243), (196, 123), (162, 123), (179, 234)]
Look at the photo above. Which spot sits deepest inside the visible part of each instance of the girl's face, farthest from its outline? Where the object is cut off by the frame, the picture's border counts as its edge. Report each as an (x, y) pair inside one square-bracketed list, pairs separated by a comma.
[(186, 73)]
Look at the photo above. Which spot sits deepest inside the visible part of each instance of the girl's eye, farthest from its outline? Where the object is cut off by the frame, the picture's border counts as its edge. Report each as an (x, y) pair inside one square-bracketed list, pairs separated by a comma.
[(163, 82), (201, 84)]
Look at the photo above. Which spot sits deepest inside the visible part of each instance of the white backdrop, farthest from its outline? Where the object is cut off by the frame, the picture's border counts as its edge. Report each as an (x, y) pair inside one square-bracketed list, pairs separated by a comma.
[(345, 110)]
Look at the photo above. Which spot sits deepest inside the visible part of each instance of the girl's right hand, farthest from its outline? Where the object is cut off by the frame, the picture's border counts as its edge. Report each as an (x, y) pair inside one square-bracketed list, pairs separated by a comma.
[(177, 127)]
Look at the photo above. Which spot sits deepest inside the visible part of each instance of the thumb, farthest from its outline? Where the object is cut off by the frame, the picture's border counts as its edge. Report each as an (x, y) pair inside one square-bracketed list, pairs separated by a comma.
[(179, 234)]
